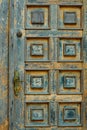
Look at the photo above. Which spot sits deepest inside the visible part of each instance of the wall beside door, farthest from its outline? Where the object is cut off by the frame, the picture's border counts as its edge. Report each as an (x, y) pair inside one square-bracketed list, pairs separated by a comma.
[(4, 64)]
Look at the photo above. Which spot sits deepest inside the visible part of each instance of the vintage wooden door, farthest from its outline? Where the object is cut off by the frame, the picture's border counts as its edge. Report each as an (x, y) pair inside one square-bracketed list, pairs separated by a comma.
[(47, 65)]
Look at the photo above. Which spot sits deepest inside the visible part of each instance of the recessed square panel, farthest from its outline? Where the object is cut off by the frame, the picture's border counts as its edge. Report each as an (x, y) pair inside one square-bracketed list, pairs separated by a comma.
[(37, 114), (69, 82), (69, 114), (70, 18), (69, 49), (37, 17), (37, 50), (37, 82)]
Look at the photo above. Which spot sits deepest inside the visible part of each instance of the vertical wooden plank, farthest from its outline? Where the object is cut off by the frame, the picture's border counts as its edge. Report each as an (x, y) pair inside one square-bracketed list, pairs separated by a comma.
[(11, 64), (19, 43), (85, 100), (85, 64), (3, 65), (85, 31)]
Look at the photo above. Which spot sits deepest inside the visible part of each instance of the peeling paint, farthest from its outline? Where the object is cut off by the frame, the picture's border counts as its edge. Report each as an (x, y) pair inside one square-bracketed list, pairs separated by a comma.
[(51, 58)]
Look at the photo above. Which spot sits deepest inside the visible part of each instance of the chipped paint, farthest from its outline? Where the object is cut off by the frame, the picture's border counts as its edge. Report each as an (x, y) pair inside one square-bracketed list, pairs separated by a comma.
[(42, 63), (50, 54), (3, 65)]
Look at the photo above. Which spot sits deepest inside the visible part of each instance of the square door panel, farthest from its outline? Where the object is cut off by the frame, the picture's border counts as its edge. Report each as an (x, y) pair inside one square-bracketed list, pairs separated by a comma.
[(37, 82), (69, 17), (37, 49), (70, 49), (70, 82), (69, 114), (37, 17), (37, 114)]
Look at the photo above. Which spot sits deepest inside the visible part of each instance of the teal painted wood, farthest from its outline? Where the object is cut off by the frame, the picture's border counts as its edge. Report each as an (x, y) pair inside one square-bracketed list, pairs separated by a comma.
[(3, 64), (16, 46), (11, 64), (18, 102), (85, 32), (19, 62)]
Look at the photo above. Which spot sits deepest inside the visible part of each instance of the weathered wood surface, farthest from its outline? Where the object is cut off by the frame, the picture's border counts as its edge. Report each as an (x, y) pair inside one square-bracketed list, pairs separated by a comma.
[(40, 58), (4, 64), (46, 63)]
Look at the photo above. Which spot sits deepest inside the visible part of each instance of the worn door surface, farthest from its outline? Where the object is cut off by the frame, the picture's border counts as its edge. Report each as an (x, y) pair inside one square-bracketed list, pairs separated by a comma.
[(47, 56)]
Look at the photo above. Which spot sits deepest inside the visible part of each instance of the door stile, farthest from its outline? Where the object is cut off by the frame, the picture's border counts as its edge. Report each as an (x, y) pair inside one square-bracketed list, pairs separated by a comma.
[(84, 109), (11, 64)]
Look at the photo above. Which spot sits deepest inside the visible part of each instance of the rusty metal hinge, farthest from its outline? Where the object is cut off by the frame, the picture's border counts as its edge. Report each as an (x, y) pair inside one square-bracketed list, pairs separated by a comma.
[(17, 83)]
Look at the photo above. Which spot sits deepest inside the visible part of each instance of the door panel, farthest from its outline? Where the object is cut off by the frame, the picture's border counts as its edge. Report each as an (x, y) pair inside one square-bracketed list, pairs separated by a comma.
[(50, 61), (37, 82), (39, 49), (37, 16), (70, 49), (70, 16)]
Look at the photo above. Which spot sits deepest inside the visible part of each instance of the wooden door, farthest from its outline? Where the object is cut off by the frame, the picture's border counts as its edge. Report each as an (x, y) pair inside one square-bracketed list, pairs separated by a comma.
[(48, 64)]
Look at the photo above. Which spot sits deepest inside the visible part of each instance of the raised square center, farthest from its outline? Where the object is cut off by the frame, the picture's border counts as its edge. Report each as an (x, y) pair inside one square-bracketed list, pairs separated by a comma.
[(70, 18), (37, 81), (69, 82), (69, 50), (37, 17), (37, 50), (37, 114), (69, 114)]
